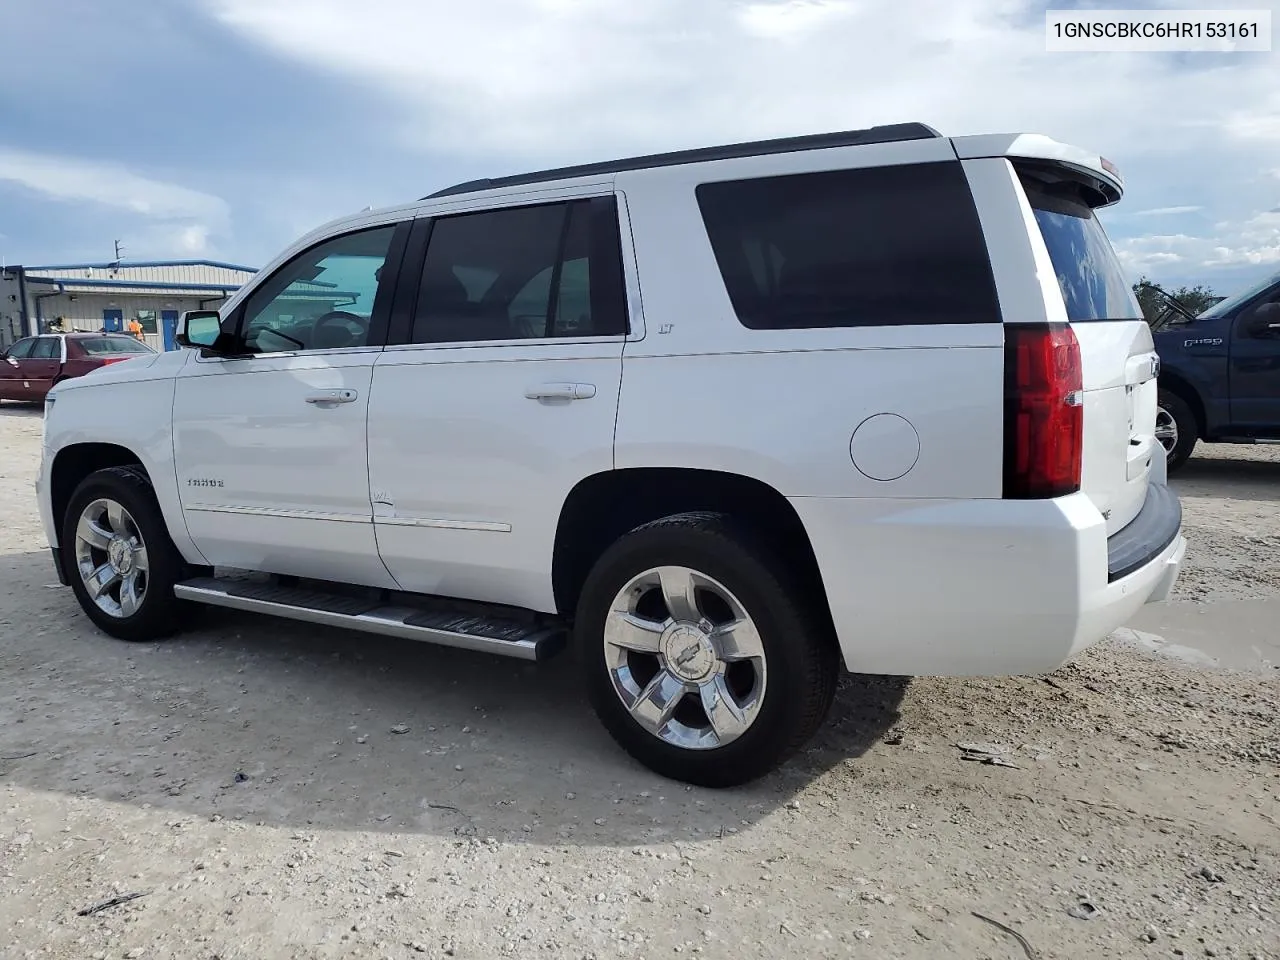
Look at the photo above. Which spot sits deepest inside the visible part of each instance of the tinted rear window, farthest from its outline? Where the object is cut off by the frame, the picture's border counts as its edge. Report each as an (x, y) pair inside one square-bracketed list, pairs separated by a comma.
[(851, 248), (100, 346), (1093, 283)]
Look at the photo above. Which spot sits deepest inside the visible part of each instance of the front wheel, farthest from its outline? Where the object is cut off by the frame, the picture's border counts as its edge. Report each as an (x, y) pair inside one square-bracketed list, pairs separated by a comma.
[(703, 657), (1176, 428), (118, 555)]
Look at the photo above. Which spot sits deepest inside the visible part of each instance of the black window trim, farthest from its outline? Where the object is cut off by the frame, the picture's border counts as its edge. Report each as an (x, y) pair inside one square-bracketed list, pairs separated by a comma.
[(557, 267), (232, 325), (408, 283)]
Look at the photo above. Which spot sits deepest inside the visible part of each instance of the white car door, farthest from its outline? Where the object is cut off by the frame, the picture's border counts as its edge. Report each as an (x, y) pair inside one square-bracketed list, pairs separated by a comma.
[(270, 444), (501, 396)]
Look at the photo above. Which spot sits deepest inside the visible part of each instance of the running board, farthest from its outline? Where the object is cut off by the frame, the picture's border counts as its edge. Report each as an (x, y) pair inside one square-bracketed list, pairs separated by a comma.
[(449, 628), (1248, 440)]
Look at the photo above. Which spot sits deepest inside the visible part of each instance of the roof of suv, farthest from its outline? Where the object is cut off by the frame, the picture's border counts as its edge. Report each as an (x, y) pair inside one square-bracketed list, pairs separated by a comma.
[(887, 133)]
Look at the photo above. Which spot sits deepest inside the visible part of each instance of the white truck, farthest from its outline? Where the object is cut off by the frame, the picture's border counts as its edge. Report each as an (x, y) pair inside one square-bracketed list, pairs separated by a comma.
[(724, 420)]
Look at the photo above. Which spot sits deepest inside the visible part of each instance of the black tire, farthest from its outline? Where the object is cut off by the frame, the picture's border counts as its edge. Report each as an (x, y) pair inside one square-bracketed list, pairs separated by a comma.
[(159, 614), (801, 654), (1188, 427)]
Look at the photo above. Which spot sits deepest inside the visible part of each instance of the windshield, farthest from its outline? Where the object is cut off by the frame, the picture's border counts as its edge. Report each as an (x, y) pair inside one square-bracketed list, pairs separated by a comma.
[(99, 346), (1092, 282), (1223, 307)]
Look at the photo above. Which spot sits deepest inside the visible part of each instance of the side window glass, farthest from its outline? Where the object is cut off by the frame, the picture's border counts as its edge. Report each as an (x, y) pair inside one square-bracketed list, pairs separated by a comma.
[(523, 273), (851, 248), (46, 348), (323, 299), (22, 349)]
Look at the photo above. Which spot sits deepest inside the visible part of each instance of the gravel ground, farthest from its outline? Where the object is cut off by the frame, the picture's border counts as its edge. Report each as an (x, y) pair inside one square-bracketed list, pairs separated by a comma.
[(276, 790)]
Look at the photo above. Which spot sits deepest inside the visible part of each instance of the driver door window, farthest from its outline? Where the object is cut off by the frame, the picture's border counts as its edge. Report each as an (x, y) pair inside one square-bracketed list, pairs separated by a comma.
[(1261, 321), (21, 350), (324, 299)]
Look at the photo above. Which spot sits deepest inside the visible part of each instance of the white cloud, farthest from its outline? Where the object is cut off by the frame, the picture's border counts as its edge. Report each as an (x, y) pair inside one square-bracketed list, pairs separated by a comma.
[(78, 180), (1252, 242), (514, 84), (1166, 211), (563, 78), (1257, 242), (193, 239), (162, 218), (1262, 121), (792, 19)]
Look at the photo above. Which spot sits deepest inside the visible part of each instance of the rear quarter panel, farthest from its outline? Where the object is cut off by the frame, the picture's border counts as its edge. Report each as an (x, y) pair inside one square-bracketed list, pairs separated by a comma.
[(701, 390)]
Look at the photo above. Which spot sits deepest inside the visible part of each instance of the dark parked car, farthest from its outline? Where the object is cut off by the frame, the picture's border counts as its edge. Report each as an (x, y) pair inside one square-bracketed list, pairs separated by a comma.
[(30, 367), (1220, 371)]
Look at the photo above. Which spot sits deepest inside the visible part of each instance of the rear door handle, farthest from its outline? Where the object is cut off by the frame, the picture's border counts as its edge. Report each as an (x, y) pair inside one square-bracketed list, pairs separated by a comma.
[(561, 391), (331, 396)]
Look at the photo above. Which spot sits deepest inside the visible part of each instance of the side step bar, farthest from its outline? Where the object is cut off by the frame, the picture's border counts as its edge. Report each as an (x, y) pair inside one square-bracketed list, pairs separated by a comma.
[(506, 637)]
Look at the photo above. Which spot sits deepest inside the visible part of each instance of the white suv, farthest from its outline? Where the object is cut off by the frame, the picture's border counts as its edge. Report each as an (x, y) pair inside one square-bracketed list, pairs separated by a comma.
[(721, 418)]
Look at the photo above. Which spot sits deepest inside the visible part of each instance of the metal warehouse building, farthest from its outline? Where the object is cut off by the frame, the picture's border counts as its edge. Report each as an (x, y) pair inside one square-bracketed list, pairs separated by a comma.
[(96, 296)]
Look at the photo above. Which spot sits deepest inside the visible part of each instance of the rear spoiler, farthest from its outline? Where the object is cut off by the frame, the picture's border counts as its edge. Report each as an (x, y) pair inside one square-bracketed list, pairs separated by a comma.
[(1041, 150)]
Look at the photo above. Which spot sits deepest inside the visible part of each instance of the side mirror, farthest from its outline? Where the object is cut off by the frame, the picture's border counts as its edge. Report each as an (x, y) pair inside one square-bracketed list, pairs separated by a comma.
[(198, 328), (1268, 312)]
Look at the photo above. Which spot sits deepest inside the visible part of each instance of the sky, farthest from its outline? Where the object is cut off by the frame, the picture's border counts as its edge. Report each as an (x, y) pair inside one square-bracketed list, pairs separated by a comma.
[(226, 128)]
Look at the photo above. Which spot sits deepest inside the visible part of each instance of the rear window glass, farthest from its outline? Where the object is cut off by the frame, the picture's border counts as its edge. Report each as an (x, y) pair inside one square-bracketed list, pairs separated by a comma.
[(1093, 283), (851, 248), (98, 346)]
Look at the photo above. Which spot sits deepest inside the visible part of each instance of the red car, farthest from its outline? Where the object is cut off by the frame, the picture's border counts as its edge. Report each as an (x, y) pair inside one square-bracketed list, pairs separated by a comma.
[(30, 367)]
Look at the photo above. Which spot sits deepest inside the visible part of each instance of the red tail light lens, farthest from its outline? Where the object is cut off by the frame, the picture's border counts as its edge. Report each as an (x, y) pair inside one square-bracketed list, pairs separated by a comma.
[(1044, 411), (107, 360)]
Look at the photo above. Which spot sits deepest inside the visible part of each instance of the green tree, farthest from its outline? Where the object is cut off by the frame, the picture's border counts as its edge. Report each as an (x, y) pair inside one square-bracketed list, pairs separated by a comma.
[(1151, 297)]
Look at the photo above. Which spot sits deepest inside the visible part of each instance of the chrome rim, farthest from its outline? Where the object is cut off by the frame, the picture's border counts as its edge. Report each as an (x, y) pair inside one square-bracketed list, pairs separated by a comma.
[(685, 658), (1166, 429), (111, 558)]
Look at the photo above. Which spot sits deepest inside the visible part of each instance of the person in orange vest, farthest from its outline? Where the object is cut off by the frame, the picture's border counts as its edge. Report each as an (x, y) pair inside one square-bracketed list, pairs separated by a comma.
[(135, 328)]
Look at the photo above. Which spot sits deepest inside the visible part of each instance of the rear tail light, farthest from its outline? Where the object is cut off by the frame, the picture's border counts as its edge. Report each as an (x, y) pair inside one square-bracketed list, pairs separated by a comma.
[(1043, 411), (106, 360)]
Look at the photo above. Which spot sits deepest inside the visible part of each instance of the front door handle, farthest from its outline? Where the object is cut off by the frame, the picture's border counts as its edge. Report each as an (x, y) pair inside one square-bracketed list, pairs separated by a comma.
[(325, 397), (561, 391)]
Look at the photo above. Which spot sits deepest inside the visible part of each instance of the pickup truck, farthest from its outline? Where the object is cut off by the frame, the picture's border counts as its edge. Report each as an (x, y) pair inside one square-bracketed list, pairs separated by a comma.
[(1219, 371), (30, 367)]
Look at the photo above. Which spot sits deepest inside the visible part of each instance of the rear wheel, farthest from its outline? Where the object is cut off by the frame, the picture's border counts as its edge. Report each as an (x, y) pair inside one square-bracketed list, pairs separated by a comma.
[(701, 656), (1176, 428), (119, 558)]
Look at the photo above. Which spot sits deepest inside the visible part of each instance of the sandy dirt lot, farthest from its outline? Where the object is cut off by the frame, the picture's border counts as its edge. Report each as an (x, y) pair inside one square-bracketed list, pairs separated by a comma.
[(246, 778)]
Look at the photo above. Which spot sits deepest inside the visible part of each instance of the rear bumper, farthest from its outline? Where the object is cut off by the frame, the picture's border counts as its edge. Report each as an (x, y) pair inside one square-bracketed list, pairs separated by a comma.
[(985, 587), (1147, 535)]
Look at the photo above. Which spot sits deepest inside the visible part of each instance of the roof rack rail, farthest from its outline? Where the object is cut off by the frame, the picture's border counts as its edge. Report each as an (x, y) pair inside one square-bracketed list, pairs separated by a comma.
[(888, 133)]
